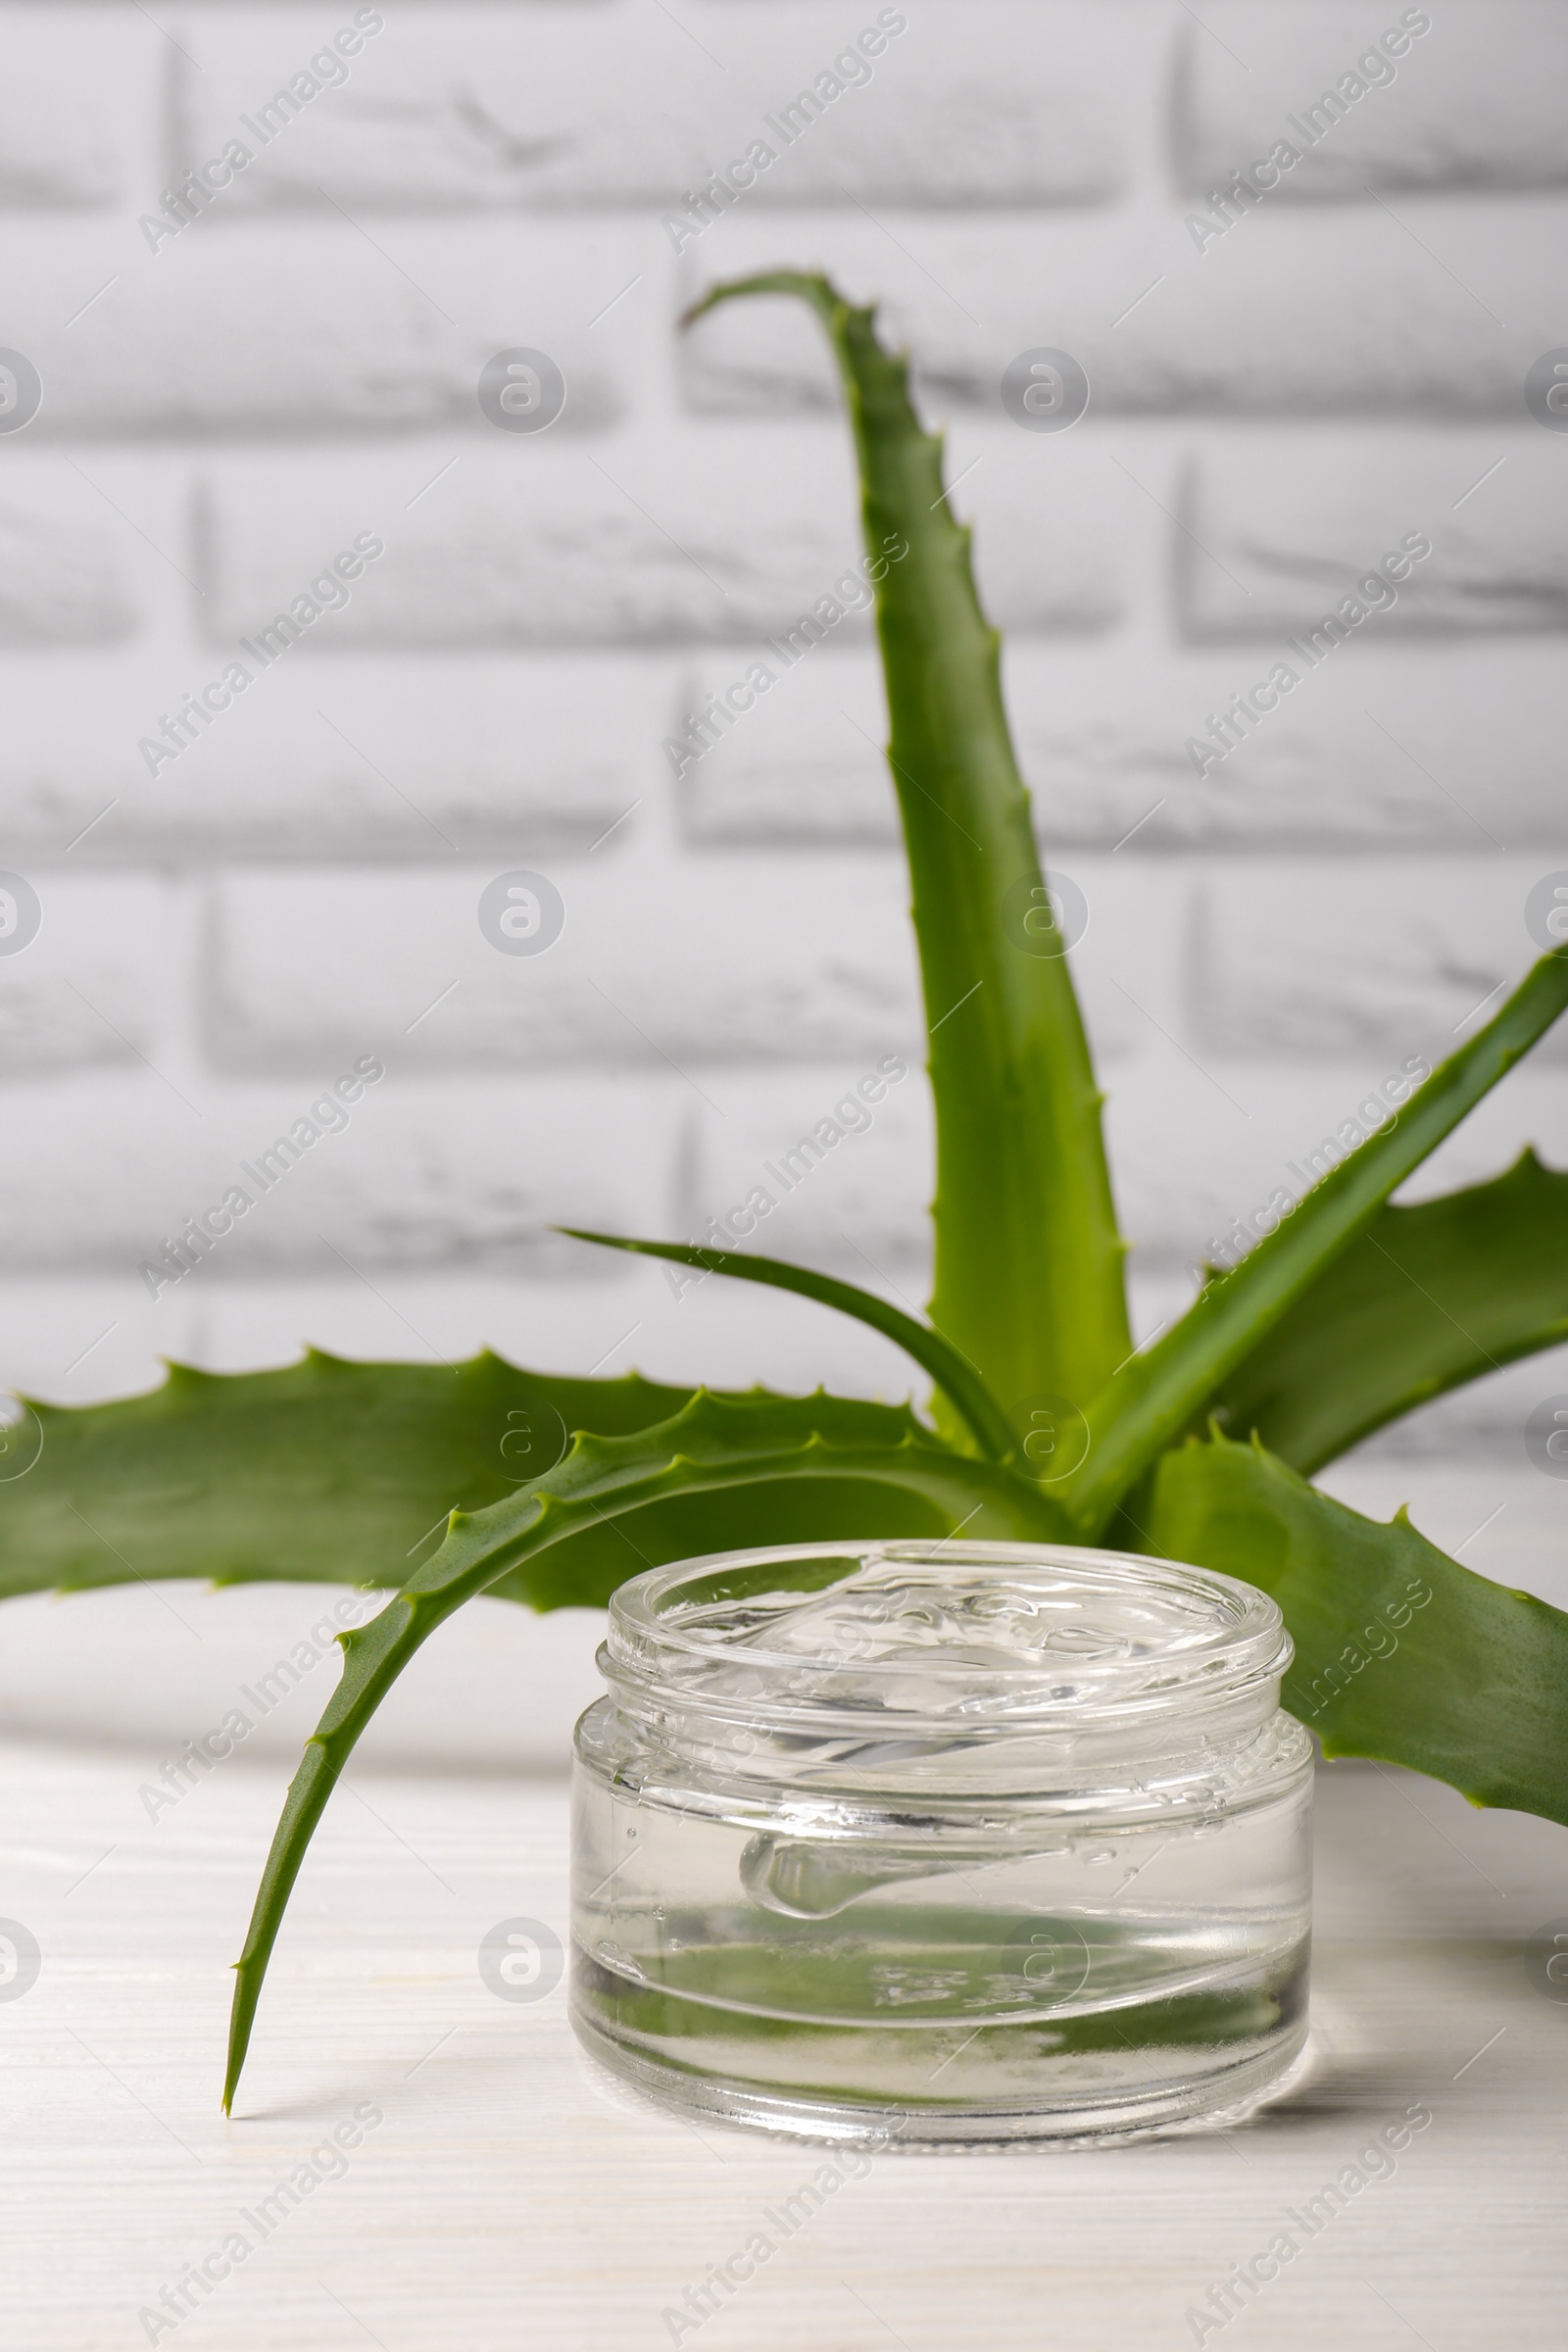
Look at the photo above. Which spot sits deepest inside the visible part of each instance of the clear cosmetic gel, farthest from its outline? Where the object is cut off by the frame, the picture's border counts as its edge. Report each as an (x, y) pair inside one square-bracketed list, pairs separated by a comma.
[(965, 1841)]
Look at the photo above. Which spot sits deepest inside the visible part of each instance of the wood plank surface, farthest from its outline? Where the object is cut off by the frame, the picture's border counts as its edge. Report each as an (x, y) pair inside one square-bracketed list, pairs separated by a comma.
[(512, 2195)]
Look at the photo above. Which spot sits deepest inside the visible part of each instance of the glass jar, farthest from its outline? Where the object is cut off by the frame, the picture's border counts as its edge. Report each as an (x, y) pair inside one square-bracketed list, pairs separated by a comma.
[(966, 1841)]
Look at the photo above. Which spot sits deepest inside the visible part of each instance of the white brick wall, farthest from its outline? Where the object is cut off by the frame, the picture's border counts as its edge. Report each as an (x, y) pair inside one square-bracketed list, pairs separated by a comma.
[(1272, 408)]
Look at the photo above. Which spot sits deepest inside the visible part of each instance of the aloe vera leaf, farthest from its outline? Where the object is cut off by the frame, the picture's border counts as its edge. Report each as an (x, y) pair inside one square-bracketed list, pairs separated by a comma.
[(1428, 1298), (1029, 1272), (1400, 1653), (781, 1470), (325, 1472), (1154, 1396), (987, 1421)]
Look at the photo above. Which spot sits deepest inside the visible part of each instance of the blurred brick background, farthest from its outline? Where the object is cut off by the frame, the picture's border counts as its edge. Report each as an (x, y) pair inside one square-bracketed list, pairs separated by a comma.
[(1271, 409)]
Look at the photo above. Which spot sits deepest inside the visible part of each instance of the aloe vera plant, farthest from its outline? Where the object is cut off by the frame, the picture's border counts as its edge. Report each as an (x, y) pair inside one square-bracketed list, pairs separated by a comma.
[(1350, 1313)]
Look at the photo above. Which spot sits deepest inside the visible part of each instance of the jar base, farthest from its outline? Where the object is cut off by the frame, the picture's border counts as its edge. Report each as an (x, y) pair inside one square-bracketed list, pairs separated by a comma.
[(1215, 2099)]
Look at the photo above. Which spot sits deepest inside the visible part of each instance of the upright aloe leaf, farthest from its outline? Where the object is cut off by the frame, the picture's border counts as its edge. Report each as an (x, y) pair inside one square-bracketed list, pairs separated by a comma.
[(1429, 1297), (1400, 1652), (722, 1472), (967, 1391), (1029, 1280), (1151, 1398)]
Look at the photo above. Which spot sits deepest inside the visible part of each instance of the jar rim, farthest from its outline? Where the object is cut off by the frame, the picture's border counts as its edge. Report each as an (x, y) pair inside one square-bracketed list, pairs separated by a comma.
[(1168, 1635)]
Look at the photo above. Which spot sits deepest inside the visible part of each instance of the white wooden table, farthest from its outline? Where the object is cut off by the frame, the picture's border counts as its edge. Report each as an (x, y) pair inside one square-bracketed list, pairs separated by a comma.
[(512, 2196)]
